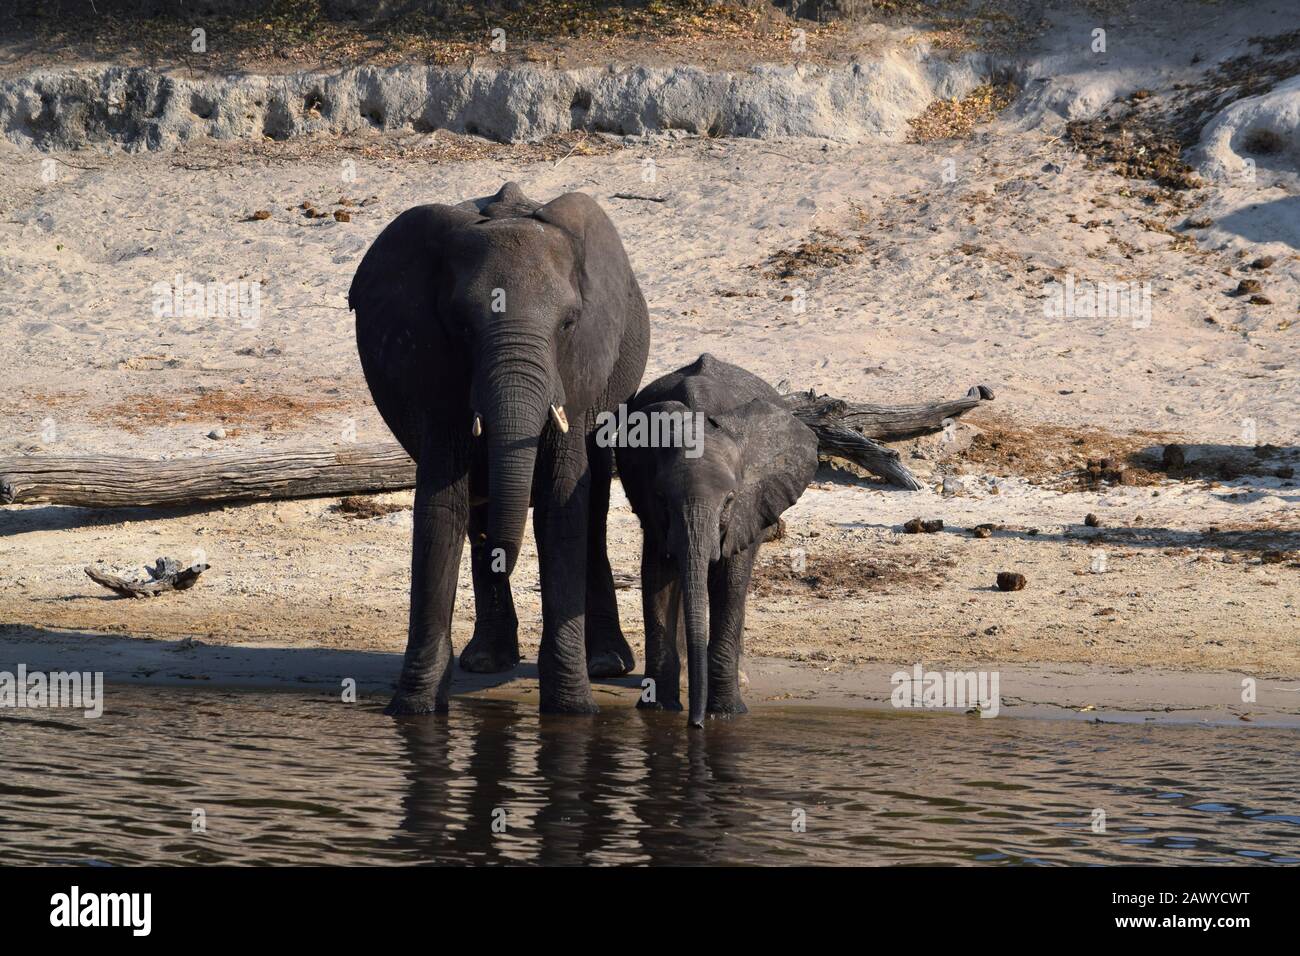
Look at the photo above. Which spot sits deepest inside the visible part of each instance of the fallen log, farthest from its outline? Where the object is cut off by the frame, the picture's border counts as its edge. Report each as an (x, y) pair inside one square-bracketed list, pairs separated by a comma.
[(847, 430), (854, 430), (111, 482)]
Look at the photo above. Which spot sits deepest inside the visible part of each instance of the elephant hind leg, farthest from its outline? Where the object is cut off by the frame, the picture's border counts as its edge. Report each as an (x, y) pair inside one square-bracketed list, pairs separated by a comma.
[(495, 645), (608, 653)]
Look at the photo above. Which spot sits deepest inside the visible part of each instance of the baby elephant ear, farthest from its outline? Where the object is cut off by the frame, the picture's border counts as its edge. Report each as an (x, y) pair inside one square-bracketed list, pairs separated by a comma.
[(638, 465), (780, 459)]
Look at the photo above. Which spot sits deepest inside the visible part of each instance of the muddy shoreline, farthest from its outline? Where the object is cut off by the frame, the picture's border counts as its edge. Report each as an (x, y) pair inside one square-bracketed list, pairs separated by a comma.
[(1089, 692)]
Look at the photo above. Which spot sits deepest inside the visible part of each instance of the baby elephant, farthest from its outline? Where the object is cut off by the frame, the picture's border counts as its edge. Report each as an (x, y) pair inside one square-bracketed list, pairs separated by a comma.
[(709, 458)]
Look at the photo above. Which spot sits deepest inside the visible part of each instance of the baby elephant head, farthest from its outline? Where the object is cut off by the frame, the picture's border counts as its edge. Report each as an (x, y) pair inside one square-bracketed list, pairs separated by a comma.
[(711, 494)]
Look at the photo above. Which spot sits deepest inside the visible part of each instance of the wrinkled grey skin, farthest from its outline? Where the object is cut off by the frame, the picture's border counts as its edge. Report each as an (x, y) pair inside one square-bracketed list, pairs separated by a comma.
[(703, 519), (569, 329)]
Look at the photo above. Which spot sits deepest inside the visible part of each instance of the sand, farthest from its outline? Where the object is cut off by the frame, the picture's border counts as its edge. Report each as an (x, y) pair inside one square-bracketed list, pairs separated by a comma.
[(914, 288)]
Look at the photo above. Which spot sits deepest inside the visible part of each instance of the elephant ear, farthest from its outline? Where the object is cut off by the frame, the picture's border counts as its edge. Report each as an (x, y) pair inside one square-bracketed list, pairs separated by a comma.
[(638, 468), (608, 290), (780, 459), (397, 293)]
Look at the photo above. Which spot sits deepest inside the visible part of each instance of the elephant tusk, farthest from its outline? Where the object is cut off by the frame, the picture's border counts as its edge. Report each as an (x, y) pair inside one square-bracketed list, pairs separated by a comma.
[(478, 427), (561, 420)]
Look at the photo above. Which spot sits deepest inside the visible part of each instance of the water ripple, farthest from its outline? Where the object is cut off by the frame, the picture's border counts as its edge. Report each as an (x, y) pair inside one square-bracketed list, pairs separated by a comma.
[(198, 777)]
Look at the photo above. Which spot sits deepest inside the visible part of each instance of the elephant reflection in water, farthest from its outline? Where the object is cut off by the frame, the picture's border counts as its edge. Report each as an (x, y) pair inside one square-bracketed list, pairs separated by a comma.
[(500, 785)]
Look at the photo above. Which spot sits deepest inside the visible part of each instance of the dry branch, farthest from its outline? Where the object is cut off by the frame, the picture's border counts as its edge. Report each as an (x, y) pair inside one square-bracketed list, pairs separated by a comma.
[(166, 575), (848, 430)]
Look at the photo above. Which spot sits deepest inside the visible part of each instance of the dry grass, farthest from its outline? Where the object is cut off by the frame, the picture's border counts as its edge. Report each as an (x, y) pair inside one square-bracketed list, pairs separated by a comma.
[(297, 34), (957, 119), (1091, 458), (362, 507), (842, 574), (1137, 148), (822, 250), (439, 146), (1054, 453), (268, 411)]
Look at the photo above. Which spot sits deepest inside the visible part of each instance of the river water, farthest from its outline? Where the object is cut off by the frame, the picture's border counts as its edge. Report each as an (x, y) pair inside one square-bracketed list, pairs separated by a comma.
[(177, 776)]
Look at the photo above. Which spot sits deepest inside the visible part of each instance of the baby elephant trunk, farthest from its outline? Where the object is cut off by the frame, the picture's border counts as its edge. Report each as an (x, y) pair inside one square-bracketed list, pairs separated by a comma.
[(698, 552)]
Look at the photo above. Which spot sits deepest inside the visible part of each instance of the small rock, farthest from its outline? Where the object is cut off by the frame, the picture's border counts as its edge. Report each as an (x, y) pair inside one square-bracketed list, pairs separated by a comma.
[(1247, 287), (1011, 581), (1286, 471), (1260, 300), (1199, 222), (341, 216), (262, 214), (952, 487), (217, 433), (1172, 457), (1091, 520), (1263, 262), (982, 531)]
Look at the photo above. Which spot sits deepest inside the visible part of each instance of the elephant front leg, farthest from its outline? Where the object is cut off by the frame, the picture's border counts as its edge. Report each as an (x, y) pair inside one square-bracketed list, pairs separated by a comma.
[(441, 513), (662, 606), (728, 588), (608, 653), (495, 645), (561, 496)]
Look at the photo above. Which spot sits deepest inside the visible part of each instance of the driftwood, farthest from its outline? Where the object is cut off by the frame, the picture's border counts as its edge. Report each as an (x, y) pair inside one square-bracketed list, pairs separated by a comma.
[(166, 575), (853, 431), (847, 430)]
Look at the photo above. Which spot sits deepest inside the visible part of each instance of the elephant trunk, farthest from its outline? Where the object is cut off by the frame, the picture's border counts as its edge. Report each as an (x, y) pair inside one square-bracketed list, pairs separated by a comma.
[(695, 554), (515, 396)]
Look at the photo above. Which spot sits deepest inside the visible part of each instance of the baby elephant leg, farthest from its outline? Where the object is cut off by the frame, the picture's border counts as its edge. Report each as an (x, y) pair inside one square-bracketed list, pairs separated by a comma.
[(728, 585), (662, 606)]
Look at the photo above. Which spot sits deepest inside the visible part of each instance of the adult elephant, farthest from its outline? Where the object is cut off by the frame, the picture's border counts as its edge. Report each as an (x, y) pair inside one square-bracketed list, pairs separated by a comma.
[(492, 333)]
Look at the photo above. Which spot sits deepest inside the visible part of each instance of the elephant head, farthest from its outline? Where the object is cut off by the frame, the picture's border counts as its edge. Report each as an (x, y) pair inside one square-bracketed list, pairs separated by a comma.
[(524, 306), (713, 496)]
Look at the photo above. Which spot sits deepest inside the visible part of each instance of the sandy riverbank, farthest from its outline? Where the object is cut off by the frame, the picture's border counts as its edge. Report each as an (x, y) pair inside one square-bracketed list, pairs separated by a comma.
[(917, 285)]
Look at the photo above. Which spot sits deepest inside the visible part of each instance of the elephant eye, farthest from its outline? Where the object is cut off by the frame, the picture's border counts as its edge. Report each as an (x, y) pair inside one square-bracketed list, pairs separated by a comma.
[(569, 321)]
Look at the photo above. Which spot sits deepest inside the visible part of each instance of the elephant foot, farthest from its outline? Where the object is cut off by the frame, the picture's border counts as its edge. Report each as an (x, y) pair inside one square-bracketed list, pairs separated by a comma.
[(609, 663), (576, 705), (489, 653), (725, 709), (608, 653), (673, 705), (409, 703)]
